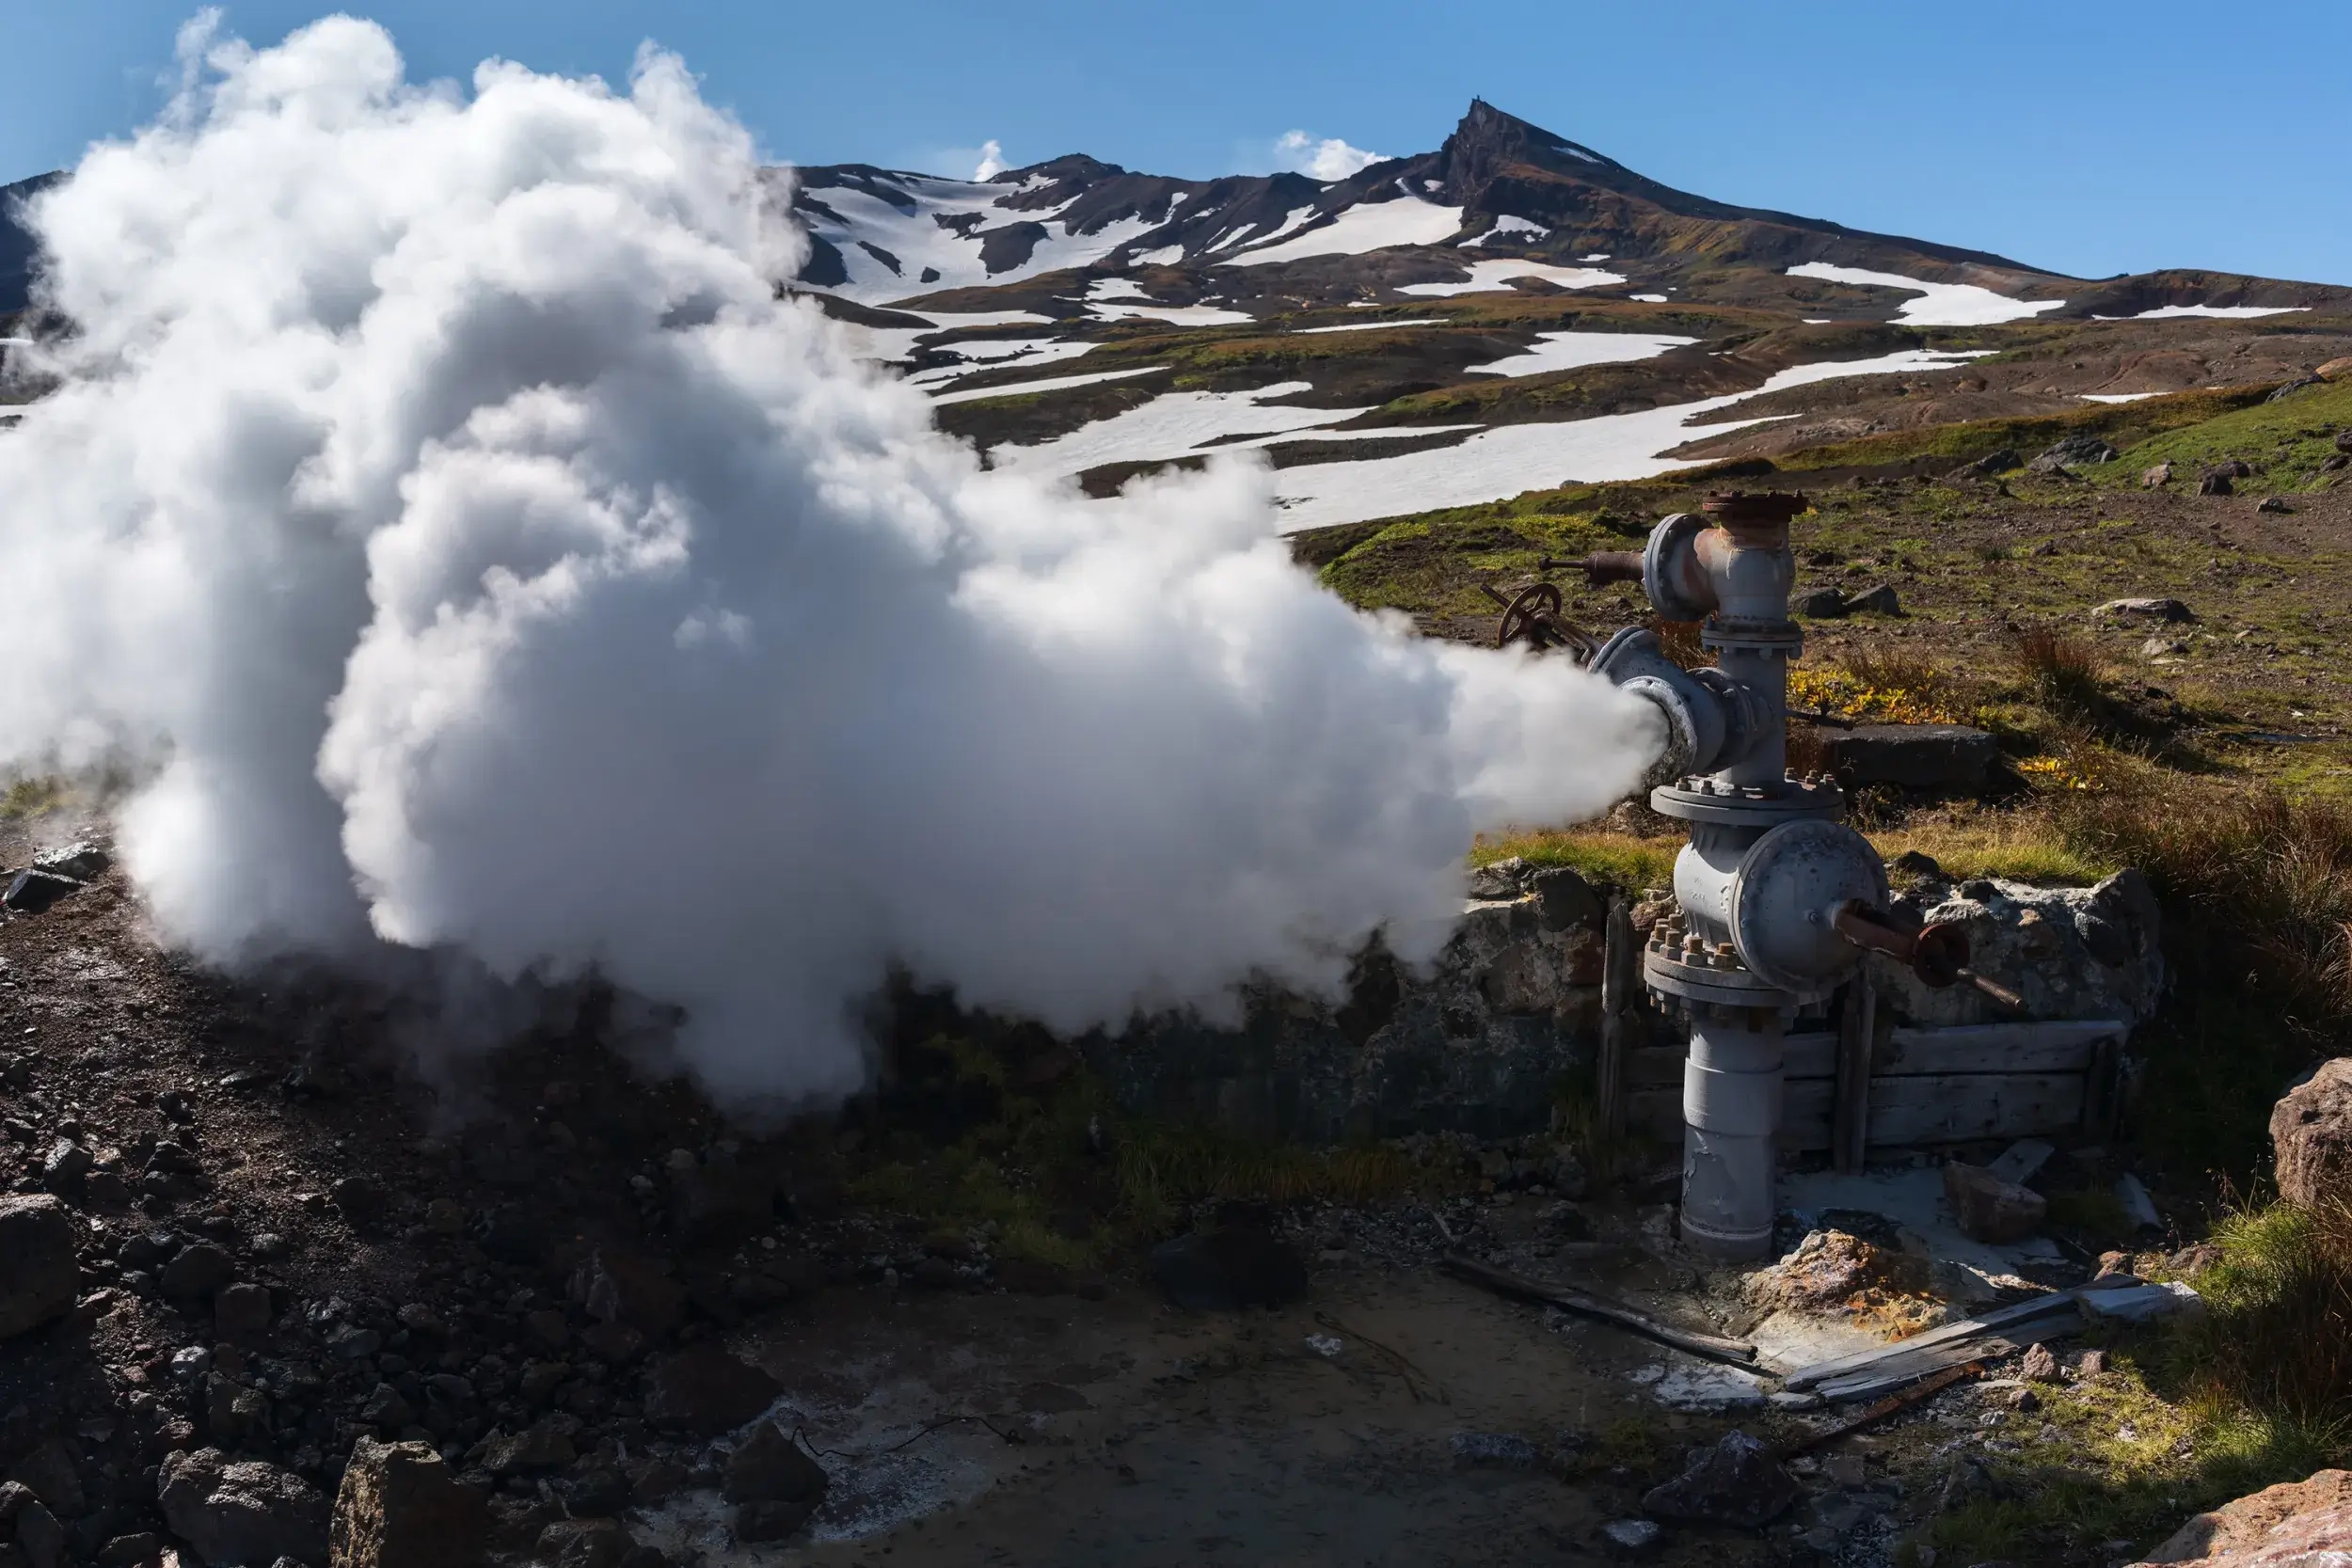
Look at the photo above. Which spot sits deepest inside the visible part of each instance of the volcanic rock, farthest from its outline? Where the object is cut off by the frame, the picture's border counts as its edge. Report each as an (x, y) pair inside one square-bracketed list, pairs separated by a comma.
[(1989, 1209), (198, 1273), (241, 1313), (1828, 1268), (2143, 609), (1881, 600), (2311, 1132), (2295, 1522), (245, 1515), (1943, 757), (583, 1544), (31, 892), (769, 1467), (399, 1507), (38, 1274), (1228, 1269), (706, 1391), (543, 1446), (1819, 604), (624, 1289), (1736, 1483)]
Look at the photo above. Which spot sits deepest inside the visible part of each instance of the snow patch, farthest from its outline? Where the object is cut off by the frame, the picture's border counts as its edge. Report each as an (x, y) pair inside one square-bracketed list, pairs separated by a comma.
[(1648, 299), (1167, 256), (1362, 326), (1172, 425), (988, 352), (1939, 304), (1051, 384), (1493, 276), (915, 236), (1371, 226), (2230, 312), (1506, 226), (2116, 396), (1569, 351)]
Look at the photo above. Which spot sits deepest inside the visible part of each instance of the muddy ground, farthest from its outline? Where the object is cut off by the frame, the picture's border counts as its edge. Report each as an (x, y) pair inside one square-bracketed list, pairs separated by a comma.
[(424, 1223)]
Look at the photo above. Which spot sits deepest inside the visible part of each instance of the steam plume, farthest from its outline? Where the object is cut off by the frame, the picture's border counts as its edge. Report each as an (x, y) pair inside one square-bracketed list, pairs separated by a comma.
[(443, 511)]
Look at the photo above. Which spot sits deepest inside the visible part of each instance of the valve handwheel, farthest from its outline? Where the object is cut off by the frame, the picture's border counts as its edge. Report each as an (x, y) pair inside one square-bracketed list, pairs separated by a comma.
[(1529, 617)]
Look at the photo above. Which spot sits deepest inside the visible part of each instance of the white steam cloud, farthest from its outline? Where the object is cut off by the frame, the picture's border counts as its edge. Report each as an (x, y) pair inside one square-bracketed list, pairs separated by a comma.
[(992, 162), (474, 553), (1326, 159)]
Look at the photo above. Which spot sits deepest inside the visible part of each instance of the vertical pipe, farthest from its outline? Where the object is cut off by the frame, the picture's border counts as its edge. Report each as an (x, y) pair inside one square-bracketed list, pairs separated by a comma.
[(1731, 1104)]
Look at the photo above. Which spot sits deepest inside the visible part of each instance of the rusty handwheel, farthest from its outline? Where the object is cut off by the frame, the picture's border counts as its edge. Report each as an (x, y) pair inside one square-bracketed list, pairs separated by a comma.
[(1532, 618)]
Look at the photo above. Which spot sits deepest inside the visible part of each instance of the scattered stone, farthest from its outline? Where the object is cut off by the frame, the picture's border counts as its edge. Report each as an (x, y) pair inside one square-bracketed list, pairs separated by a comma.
[(399, 1507), (771, 1471), (39, 1277), (361, 1198), (621, 1287), (1881, 600), (583, 1544), (2144, 610), (241, 1313), (2215, 483), (81, 860), (542, 1446), (1228, 1269), (40, 1537), (2337, 370), (1999, 461), (2344, 440), (1819, 604), (2074, 453), (244, 1512), (1943, 757), (1830, 1267), (2274, 505), (1500, 879), (1632, 1535), (2155, 478), (706, 1391), (2040, 1364), (198, 1273), (2296, 1522), (1736, 1483), (1989, 1209), (65, 1165), (2092, 1363), (2311, 1133), (32, 891), (2163, 647)]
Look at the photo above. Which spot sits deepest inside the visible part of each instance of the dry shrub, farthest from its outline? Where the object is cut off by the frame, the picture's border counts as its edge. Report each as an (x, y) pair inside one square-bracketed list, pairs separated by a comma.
[(2256, 884), (2065, 673), (2279, 1337)]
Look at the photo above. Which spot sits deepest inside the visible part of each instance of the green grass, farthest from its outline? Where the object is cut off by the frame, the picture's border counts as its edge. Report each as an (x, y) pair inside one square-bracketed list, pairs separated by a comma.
[(2284, 442), (1612, 859), (2117, 424)]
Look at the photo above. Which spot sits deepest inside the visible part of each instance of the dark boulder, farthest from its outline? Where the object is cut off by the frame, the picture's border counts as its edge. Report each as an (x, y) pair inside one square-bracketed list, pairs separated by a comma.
[(1946, 758), (706, 1391), (39, 1276), (242, 1514), (1228, 1269), (1736, 1483)]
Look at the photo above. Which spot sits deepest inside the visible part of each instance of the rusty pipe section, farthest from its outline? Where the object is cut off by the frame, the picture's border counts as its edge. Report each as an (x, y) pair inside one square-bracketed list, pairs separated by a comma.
[(1937, 952)]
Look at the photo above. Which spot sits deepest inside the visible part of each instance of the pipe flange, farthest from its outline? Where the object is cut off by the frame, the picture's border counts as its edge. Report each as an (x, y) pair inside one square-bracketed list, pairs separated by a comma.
[(1747, 805), (1671, 540), (1783, 895), (1668, 975), (1718, 632)]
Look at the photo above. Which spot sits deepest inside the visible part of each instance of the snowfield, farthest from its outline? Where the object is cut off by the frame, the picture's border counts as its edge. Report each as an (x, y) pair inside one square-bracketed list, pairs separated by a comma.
[(1508, 459), (1510, 228), (1494, 276), (2228, 312), (1370, 226), (843, 215), (1051, 384), (1569, 351), (1939, 304), (1173, 424)]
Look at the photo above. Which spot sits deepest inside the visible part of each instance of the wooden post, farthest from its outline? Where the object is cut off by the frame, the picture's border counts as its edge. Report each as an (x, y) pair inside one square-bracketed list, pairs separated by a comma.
[(1619, 950), (1850, 1110)]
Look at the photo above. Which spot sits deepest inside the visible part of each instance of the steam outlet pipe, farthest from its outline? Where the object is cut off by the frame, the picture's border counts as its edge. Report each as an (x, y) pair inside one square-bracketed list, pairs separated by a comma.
[(1775, 899)]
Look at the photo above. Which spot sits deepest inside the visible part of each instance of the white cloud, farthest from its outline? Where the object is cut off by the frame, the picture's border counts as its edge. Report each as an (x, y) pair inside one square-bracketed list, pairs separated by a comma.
[(1328, 158), (992, 162)]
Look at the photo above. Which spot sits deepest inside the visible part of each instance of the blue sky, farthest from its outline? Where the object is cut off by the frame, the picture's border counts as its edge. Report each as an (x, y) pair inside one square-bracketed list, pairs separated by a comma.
[(2092, 138)]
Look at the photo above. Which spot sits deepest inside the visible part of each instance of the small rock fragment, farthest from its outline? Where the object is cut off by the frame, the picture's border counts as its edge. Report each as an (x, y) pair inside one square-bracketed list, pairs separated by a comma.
[(1989, 1209), (2040, 1364), (1735, 1483)]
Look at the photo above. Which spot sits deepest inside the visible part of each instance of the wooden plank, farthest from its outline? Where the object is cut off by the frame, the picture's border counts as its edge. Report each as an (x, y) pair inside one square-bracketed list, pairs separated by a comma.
[(2064, 1045), (1619, 952), (1850, 1110), (2022, 1320), (1811, 1054), (1654, 1066), (1958, 1107), (1608, 1309)]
